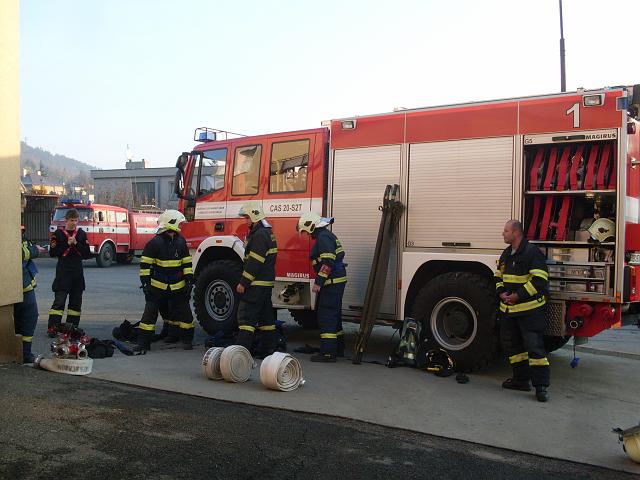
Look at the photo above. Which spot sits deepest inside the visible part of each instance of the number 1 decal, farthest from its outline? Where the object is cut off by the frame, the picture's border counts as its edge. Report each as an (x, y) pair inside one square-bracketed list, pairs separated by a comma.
[(575, 109)]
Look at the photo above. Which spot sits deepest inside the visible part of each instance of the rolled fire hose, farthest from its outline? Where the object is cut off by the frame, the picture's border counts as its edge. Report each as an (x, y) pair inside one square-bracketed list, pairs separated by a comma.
[(236, 364), (70, 366), (281, 371), (211, 363)]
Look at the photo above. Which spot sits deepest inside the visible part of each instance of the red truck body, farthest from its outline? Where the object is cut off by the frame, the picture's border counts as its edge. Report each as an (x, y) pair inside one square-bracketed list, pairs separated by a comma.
[(114, 233)]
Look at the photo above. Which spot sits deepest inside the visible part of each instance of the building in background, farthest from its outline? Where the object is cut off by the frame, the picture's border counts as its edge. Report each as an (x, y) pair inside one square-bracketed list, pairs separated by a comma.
[(136, 186), (39, 184)]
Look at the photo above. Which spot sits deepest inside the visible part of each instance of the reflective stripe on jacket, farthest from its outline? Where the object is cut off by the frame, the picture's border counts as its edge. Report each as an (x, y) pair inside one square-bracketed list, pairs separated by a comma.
[(29, 270), (327, 258), (260, 252), (165, 263), (525, 273)]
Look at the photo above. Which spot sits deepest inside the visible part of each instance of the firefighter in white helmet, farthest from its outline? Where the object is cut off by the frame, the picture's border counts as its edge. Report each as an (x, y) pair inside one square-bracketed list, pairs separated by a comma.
[(327, 259), (166, 275), (255, 310)]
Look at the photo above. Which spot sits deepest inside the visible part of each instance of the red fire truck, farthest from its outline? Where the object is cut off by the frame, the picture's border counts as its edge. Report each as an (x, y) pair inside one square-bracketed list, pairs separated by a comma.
[(559, 163), (114, 233)]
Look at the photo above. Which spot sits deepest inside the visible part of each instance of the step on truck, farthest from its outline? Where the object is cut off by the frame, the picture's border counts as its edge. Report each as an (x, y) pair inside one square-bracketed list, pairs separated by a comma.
[(567, 165), (115, 234)]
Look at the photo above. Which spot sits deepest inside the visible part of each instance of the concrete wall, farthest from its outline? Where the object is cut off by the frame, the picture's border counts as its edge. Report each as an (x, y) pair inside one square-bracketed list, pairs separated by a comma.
[(10, 256)]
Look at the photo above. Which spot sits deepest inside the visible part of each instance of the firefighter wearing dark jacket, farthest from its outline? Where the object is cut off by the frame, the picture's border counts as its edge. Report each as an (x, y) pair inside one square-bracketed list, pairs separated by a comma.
[(327, 259), (255, 310), (70, 245), (166, 275), (521, 283), (25, 313)]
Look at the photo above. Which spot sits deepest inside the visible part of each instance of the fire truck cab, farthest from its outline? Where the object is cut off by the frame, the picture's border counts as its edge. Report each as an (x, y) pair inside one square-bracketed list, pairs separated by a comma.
[(565, 165)]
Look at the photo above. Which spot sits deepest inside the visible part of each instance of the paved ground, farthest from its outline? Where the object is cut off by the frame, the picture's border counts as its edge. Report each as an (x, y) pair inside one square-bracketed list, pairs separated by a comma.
[(587, 402), (59, 426)]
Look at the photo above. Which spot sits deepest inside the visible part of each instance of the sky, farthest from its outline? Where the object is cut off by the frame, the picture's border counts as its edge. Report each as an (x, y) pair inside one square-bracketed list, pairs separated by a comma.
[(97, 75)]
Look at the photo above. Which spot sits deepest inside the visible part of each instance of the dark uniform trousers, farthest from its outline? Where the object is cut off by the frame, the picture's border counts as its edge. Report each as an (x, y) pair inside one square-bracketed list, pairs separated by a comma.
[(523, 342), (25, 316), (170, 306), (255, 312), (329, 313), (73, 311)]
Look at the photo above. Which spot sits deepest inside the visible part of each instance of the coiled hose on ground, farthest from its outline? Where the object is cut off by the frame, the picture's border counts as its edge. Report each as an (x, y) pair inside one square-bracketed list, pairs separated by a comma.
[(282, 372), (236, 364), (211, 363)]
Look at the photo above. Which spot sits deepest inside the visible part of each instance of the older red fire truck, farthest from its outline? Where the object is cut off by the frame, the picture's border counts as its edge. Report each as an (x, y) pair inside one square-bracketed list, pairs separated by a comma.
[(565, 164), (114, 233)]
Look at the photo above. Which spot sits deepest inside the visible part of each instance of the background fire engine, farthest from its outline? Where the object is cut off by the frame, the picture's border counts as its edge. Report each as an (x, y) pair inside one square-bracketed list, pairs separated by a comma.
[(557, 162), (114, 233)]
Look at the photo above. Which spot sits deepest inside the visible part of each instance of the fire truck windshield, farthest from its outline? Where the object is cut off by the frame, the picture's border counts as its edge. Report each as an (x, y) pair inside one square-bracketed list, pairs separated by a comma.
[(84, 214), (207, 174)]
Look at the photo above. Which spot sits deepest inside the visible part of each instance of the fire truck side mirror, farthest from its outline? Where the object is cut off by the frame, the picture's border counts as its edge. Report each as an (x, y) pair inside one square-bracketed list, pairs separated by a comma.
[(178, 185), (182, 161)]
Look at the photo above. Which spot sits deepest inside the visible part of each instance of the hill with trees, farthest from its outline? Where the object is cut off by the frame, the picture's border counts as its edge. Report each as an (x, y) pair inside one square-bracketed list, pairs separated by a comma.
[(58, 167)]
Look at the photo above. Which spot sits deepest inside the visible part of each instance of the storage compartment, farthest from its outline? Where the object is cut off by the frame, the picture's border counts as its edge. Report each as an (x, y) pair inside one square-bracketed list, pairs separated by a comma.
[(570, 211)]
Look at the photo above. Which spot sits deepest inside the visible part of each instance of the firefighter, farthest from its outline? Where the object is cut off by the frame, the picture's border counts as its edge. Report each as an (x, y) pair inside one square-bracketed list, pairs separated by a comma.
[(521, 283), (327, 259), (25, 313), (255, 310), (70, 245), (166, 275)]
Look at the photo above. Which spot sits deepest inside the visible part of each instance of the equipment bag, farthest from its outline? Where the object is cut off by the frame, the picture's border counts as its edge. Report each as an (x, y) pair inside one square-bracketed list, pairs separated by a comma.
[(100, 348), (126, 332)]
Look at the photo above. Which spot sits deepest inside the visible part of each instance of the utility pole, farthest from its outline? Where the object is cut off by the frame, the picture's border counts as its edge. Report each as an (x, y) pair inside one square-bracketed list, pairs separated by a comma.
[(563, 77)]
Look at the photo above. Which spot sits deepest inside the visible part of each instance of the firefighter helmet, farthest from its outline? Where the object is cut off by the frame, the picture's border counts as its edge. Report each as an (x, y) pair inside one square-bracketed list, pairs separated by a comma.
[(603, 229), (170, 220), (310, 221), (253, 210)]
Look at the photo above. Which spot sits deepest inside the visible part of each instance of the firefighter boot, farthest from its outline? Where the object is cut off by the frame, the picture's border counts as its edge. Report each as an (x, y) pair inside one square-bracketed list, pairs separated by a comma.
[(245, 337), (173, 333), (541, 393), (513, 384), (27, 356), (520, 379), (267, 344), (324, 358), (143, 343)]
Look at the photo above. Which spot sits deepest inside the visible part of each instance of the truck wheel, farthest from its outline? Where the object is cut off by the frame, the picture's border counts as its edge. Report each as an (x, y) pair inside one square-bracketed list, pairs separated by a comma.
[(458, 311), (105, 257), (124, 258), (215, 299), (305, 318), (552, 344)]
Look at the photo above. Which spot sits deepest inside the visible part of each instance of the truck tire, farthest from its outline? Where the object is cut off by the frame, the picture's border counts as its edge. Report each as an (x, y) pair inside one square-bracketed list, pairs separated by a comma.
[(458, 311), (551, 344), (124, 258), (106, 255), (215, 299), (307, 319)]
